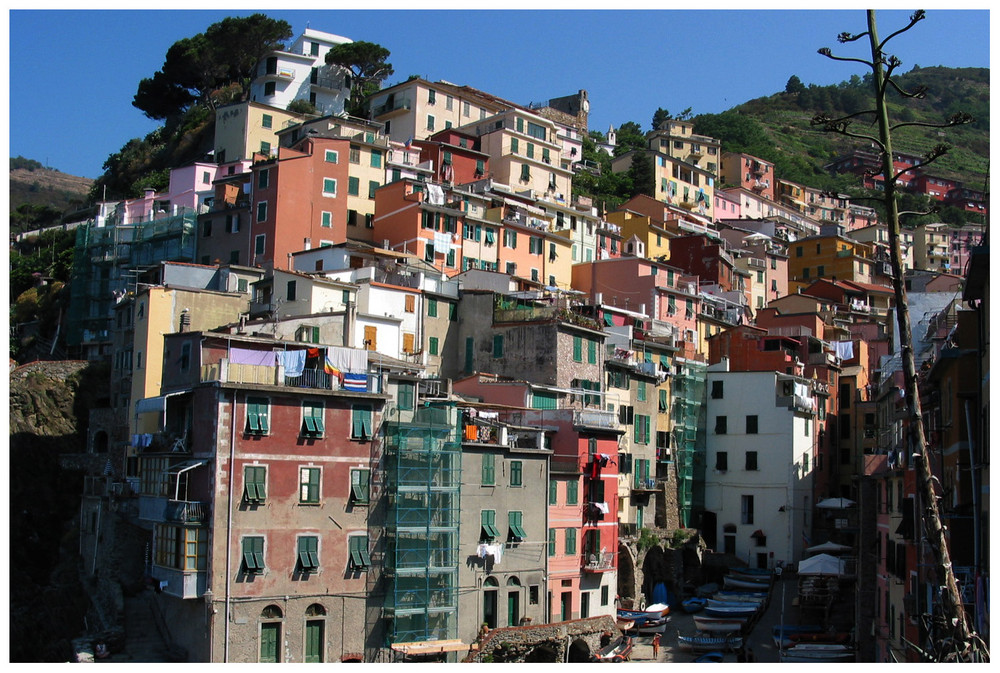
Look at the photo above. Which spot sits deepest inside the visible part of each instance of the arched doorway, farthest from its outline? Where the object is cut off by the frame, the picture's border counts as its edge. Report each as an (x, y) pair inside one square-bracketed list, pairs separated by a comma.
[(315, 645), (100, 442), (513, 601), (579, 652), (270, 634), (491, 591)]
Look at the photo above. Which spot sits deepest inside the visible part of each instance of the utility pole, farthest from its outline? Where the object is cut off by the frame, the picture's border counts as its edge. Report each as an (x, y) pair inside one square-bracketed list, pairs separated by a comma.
[(957, 642)]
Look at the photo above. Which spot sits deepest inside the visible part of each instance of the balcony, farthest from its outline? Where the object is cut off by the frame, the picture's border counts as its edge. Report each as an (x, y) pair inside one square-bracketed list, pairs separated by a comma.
[(181, 583), (599, 562), (184, 511), (392, 108), (596, 418), (312, 379), (647, 485)]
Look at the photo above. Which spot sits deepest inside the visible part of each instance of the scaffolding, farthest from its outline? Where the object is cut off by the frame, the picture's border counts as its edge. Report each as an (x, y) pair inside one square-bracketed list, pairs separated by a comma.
[(688, 415), (423, 469), (104, 260)]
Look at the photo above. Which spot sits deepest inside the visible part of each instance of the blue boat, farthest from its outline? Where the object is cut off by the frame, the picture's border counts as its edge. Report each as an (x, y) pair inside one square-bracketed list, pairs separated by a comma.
[(710, 658), (693, 604)]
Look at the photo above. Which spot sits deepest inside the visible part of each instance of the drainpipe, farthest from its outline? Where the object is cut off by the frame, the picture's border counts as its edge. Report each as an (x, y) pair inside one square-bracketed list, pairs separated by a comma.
[(229, 525)]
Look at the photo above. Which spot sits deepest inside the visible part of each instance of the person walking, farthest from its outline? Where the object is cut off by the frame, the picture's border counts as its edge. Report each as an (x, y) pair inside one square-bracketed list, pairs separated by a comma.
[(656, 646)]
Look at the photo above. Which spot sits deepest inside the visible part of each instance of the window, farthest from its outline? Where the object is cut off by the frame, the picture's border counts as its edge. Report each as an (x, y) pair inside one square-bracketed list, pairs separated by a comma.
[(663, 400), (591, 351), (265, 147), (355, 155), (181, 548), (489, 469), (331, 156), (269, 88), (361, 421), (553, 492), (253, 555), (359, 486), (357, 546), (372, 186), (257, 415), (308, 554), (641, 390), (751, 463), (431, 96), (717, 390), (329, 187), (641, 429), (721, 461), (376, 160), (206, 229), (605, 594), (290, 291), (720, 425), (312, 414), (404, 395), (353, 186), (498, 345), (266, 121), (409, 303), (570, 547), (525, 172), (432, 345), (309, 480), (432, 308), (261, 211), (514, 522), (572, 492), (488, 517), (515, 472), (746, 509), (577, 349), (430, 122), (752, 425), (552, 542)]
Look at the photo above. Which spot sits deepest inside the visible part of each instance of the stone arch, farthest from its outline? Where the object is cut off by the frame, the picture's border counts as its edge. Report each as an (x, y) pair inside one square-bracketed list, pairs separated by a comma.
[(579, 651), (543, 654), (626, 572)]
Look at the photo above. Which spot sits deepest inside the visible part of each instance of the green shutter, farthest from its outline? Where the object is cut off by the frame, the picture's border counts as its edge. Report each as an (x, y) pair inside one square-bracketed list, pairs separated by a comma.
[(269, 632), (553, 492), (514, 520), (572, 492), (591, 351), (577, 349), (489, 469), (314, 641), (552, 541), (515, 472), (570, 541), (498, 345), (308, 553)]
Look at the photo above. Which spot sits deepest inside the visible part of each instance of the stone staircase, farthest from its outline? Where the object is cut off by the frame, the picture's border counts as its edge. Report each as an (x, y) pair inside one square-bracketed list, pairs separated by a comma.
[(143, 642)]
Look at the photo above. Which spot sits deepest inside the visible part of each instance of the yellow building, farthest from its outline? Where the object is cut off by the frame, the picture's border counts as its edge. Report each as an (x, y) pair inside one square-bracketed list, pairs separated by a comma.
[(676, 182), (655, 239), (242, 129), (830, 257), (676, 139)]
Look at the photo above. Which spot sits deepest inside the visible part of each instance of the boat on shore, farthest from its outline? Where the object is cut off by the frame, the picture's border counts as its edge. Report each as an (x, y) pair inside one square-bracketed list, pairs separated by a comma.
[(706, 643), (693, 604), (728, 612), (716, 603), (615, 652), (782, 633), (731, 582), (762, 580), (741, 596), (719, 625), (815, 653)]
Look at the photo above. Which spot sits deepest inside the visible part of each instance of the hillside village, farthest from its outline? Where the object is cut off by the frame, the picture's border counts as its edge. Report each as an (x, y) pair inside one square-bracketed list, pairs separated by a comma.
[(383, 387)]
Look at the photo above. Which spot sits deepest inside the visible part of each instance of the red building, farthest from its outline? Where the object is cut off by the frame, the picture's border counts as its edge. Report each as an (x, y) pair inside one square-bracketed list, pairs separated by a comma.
[(240, 488), (455, 157), (298, 200), (705, 257)]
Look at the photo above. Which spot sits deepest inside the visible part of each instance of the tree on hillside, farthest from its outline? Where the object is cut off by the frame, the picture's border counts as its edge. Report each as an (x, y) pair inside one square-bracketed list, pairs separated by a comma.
[(641, 175), (196, 67), (794, 85), (952, 638), (368, 66), (662, 114)]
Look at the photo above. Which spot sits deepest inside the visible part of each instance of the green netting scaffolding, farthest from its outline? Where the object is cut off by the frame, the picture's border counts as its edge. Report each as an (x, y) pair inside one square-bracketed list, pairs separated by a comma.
[(105, 258), (423, 470), (688, 414)]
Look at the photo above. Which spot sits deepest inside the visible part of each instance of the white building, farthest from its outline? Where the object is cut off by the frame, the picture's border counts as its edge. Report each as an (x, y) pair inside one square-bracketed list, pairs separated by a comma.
[(760, 444), (301, 73)]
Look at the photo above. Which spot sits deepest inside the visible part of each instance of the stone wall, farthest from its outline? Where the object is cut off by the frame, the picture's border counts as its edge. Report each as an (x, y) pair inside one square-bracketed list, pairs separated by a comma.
[(548, 642)]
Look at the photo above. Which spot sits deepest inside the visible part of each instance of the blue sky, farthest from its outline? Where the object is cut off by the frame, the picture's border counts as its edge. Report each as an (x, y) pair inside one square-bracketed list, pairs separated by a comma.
[(73, 73)]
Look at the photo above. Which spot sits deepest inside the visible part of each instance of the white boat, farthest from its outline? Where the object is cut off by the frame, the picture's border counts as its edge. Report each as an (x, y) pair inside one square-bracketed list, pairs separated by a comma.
[(721, 603), (719, 625), (703, 643), (726, 612), (815, 653)]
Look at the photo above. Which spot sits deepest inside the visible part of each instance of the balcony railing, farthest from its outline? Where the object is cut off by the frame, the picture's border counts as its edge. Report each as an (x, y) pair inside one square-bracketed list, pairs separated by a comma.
[(598, 562), (183, 511), (226, 372), (596, 418)]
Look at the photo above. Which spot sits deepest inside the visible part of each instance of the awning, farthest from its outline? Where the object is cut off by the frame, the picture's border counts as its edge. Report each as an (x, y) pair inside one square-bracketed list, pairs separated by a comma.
[(430, 647), (531, 209), (151, 404), (835, 503), (185, 466)]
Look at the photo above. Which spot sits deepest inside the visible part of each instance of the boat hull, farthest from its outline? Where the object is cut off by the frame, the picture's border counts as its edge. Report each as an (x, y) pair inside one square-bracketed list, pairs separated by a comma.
[(716, 625), (708, 643), (737, 583)]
